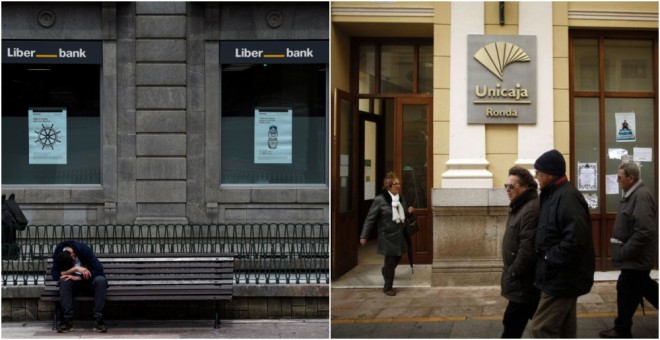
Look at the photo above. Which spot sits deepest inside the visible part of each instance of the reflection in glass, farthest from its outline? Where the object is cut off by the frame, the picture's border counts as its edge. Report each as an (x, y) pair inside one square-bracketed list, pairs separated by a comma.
[(415, 146), (367, 73), (585, 65), (425, 83), (629, 65), (396, 69), (371, 187)]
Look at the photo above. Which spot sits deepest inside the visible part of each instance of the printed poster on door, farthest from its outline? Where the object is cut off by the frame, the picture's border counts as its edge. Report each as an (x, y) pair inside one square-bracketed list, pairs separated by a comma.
[(625, 127), (273, 135), (47, 136)]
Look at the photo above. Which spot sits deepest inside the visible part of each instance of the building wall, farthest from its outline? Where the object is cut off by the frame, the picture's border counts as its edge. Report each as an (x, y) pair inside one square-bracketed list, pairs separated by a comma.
[(161, 113), (470, 163)]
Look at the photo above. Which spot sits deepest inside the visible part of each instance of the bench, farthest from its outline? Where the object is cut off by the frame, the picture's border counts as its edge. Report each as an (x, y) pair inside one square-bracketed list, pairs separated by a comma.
[(159, 277)]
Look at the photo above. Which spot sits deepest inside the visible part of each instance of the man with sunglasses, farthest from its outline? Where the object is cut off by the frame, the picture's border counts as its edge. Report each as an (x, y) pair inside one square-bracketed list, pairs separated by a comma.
[(79, 271)]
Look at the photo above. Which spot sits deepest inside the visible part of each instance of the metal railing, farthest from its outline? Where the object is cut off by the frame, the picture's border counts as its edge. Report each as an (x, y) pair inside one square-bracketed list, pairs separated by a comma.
[(265, 253)]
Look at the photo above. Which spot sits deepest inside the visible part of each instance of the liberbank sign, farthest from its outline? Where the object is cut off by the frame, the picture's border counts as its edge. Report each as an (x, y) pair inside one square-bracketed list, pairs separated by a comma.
[(502, 79), (52, 52)]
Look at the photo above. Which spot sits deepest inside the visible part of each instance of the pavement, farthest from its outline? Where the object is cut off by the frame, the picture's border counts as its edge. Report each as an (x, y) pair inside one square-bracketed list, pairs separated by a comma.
[(461, 312), (167, 329)]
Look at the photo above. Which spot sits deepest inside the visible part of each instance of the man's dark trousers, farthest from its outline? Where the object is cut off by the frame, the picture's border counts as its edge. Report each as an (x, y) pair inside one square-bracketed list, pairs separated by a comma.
[(630, 287), (98, 287)]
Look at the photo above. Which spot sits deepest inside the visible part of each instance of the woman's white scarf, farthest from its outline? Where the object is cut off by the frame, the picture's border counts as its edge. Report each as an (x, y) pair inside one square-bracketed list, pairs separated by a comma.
[(398, 214)]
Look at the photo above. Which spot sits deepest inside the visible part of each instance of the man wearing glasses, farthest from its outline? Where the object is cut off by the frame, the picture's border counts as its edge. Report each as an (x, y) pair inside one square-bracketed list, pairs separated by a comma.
[(79, 271)]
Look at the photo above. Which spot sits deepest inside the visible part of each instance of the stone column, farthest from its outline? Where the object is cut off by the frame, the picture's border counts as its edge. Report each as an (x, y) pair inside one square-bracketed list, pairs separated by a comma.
[(161, 93), (533, 140), (467, 143)]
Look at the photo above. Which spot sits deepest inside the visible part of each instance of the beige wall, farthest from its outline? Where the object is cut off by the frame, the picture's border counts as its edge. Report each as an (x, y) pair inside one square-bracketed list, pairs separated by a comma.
[(412, 19)]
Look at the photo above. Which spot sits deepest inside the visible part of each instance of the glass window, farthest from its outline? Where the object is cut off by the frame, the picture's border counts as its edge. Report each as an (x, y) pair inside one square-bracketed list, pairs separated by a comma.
[(587, 146), (637, 113), (415, 154), (60, 142), (367, 74), (425, 85), (629, 65), (273, 126), (396, 69), (585, 53)]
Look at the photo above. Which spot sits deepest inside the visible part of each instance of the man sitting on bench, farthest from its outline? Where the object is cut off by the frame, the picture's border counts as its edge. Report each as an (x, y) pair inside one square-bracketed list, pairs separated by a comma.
[(79, 271)]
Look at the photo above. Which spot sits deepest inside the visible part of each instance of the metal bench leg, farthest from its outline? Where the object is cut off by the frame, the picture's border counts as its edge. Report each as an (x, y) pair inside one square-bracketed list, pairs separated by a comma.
[(56, 314), (217, 315)]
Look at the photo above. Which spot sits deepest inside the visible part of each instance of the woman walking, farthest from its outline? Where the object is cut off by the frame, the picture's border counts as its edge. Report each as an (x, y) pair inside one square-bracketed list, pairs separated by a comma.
[(388, 211)]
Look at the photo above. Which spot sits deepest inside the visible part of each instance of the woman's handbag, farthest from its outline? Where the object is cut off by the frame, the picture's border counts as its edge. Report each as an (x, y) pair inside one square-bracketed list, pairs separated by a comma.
[(411, 225)]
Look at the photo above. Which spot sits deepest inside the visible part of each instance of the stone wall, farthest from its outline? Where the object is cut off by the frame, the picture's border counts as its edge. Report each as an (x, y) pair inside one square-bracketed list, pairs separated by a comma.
[(249, 302), (468, 228)]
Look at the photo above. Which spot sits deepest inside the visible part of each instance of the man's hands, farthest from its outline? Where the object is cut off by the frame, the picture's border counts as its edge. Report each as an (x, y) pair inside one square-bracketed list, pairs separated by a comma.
[(70, 277), (363, 241), (84, 273)]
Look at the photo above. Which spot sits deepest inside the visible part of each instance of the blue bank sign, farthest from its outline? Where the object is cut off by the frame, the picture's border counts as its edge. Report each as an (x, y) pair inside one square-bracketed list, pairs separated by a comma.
[(274, 52), (52, 52)]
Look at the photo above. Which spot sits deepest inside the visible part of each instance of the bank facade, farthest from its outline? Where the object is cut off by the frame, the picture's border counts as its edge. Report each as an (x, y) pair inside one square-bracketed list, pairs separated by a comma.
[(171, 113), (450, 95)]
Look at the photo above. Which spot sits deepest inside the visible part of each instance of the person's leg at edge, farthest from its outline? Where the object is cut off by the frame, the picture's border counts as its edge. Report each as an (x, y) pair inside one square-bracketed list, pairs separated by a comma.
[(515, 319), (569, 328), (551, 316), (388, 271), (100, 287), (651, 290), (629, 290)]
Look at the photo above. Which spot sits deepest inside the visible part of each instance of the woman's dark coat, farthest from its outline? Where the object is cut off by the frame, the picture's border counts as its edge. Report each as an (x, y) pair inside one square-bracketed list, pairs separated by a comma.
[(564, 247), (391, 235), (518, 249)]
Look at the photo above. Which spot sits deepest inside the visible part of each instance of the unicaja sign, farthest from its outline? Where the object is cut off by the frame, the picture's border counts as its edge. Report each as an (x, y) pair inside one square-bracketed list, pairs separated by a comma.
[(502, 79)]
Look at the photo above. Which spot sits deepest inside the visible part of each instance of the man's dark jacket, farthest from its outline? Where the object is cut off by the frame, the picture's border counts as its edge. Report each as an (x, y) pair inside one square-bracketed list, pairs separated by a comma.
[(564, 247), (636, 225), (85, 255)]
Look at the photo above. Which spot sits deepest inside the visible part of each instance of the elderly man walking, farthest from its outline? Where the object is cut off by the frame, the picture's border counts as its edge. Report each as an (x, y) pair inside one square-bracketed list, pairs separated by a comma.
[(564, 249), (635, 249)]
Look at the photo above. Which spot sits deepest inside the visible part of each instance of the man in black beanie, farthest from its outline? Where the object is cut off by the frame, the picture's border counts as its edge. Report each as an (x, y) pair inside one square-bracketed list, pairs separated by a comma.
[(564, 250)]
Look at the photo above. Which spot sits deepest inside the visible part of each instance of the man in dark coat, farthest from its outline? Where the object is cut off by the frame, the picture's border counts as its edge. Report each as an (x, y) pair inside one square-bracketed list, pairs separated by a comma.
[(635, 249), (388, 211), (79, 271), (564, 249), (518, 252)]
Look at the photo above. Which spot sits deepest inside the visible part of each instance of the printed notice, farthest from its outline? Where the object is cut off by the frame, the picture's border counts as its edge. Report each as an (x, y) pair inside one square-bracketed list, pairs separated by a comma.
[(625, 127), (47, 136), (611, 185), (587, 176), (617, 153), (273, 135), (643, 154)]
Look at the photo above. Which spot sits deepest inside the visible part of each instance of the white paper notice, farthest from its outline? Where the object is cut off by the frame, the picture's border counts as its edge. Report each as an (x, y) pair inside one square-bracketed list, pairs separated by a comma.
[(587, 176), (273, 135), (643, 154), (47, 137), (617, 153), (611, 185)]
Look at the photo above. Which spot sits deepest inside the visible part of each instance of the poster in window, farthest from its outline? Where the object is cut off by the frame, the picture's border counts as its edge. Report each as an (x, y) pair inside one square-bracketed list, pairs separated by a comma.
[(625, 127), (47, 136), (587, 176), (273, 135)]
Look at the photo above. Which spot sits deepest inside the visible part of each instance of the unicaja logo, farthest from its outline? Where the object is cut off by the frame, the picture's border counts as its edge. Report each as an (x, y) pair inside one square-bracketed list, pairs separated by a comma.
[(498, 55)]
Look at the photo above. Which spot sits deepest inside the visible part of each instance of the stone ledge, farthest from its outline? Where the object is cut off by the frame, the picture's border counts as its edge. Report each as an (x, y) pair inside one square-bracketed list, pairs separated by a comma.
[(246, 290)]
